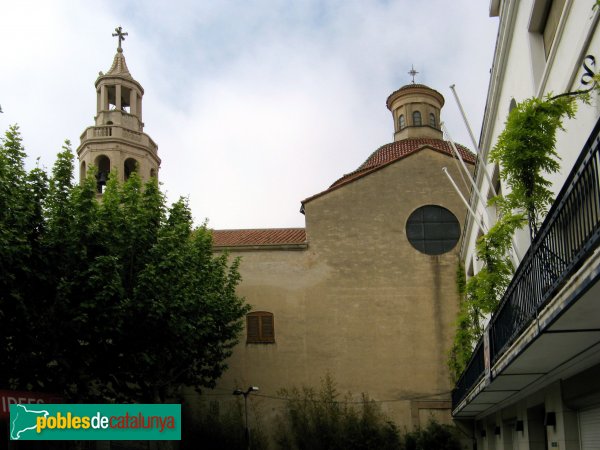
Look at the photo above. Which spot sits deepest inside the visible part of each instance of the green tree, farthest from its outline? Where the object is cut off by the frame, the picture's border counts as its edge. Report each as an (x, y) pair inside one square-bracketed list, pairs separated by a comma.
[(114, 300)]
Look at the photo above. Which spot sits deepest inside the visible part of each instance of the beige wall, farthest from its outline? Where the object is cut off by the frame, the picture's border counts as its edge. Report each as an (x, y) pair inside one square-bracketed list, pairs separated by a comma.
[(360, 303)]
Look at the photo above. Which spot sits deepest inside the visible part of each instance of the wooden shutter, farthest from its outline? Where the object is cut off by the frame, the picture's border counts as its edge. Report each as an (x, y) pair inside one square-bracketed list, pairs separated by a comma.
[(253, 325), (268, 331), (260, 327)]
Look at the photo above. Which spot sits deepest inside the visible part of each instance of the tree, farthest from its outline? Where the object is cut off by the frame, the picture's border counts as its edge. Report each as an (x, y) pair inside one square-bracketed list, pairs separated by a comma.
[(119, 299)]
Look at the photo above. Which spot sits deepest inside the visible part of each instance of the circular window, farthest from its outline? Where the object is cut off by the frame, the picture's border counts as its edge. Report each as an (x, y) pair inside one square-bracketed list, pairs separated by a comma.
[(432, 230)]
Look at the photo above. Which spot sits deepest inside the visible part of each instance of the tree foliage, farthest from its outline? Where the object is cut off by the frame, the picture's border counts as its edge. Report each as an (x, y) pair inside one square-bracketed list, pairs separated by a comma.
[(324, 419), (220, 425), (434, 436), (119, 299)]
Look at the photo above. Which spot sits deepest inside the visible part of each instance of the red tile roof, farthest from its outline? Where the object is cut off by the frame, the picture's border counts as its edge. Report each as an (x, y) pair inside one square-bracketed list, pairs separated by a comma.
[(253, 237), (394, 151)]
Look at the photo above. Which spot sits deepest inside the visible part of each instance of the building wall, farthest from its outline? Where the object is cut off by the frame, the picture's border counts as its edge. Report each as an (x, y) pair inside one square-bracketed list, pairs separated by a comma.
[(521, 70), (360, 303)]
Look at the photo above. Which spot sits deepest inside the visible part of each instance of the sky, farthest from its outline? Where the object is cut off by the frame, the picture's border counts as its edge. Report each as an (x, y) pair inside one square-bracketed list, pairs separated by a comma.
[(255, 105)]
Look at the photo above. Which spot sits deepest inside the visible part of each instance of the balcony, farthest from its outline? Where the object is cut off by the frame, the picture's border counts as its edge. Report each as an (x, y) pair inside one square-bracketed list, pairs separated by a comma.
[(116, 132), (548, 321)]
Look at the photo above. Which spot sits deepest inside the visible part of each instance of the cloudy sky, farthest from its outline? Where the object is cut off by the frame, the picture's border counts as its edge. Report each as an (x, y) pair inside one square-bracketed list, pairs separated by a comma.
[(255, 105)]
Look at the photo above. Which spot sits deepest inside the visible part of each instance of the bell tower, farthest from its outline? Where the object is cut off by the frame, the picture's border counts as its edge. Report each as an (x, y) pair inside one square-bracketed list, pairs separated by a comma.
[(117, 144), (416, 110)]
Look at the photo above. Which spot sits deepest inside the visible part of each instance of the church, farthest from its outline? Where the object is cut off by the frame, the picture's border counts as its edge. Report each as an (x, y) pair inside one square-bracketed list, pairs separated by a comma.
[(365, 293)]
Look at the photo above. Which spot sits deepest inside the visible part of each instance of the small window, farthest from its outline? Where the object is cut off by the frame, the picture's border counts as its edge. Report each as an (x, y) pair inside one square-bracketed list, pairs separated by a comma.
[(417, 119), (260, 328), (432, 120), (401, 121), (433, 230)]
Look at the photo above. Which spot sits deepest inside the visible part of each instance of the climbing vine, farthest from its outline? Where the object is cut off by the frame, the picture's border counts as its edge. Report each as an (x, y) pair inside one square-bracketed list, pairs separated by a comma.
[(526, 152)]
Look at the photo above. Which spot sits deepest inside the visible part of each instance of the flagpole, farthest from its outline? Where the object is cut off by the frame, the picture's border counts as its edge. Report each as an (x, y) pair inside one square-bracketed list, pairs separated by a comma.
[(475, 146), (514, 254), (516, 259), (464, 200)]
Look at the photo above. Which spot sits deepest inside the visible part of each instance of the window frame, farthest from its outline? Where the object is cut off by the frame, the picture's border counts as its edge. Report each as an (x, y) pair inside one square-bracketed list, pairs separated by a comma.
[(262, 335), (401, 122), (433, 230), (417, 115), (432, 120)]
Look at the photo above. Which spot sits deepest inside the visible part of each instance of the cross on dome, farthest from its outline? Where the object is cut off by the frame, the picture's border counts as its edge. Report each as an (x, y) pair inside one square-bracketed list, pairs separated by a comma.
[(412, 72), (121, 35)]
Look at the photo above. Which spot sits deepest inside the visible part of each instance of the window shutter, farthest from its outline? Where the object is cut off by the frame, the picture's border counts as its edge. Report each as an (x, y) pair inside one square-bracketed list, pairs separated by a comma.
[(268, 332), (253, 325), (260, 327)]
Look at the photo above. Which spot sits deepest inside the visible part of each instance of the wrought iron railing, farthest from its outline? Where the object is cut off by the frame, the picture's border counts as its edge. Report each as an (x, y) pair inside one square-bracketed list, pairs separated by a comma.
[(471, 376), (569, 234)]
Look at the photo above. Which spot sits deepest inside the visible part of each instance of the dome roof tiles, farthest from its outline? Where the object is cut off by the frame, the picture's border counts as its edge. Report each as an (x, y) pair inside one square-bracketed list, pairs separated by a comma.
[(394, 151)]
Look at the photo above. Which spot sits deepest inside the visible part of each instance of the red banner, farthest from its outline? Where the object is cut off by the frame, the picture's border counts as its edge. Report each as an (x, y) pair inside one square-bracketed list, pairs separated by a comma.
[(23, 397)]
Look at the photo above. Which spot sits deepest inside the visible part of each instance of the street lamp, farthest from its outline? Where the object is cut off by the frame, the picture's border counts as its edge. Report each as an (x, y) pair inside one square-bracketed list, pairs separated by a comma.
[(245, 394)]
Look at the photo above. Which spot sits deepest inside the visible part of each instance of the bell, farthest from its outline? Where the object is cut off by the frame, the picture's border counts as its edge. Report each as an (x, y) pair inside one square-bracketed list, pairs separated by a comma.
[(101, 177)]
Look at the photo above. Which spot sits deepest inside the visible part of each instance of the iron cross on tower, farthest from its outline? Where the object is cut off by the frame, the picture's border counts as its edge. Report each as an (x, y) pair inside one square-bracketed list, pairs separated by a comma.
[(121, 34), (412, 72)]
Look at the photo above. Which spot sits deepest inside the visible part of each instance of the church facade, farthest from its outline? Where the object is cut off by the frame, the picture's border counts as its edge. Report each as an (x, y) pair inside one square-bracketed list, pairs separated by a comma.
[(366, 292)]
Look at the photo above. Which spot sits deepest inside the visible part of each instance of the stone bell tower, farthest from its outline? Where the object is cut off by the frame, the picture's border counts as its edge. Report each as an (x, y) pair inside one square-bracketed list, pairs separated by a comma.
[(117, 144)]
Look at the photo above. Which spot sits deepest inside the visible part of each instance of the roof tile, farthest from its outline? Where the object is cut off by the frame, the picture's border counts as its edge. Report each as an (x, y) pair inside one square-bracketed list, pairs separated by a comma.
[(264, 236), (399, 149), (394, 151)]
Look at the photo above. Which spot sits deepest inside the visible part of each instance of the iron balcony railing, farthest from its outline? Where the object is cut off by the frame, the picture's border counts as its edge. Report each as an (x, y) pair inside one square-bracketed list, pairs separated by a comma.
[(569, 234), (471, 376)]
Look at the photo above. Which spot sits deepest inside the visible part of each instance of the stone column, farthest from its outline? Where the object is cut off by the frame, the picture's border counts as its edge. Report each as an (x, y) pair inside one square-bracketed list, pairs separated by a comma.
[(139, 111), (103, 98), (118, 97), (133, 102)]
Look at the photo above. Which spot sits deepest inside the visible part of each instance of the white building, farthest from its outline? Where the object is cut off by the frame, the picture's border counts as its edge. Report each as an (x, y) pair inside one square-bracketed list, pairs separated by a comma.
[(534, 379)]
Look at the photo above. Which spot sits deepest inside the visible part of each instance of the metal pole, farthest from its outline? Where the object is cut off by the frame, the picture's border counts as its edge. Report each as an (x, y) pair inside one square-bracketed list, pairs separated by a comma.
[(514, 253), (477, 221), (475, 146), (246, 410)]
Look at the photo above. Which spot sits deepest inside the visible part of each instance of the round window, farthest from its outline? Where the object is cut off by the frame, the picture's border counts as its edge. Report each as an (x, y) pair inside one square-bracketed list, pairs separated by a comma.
[(432, 230)]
